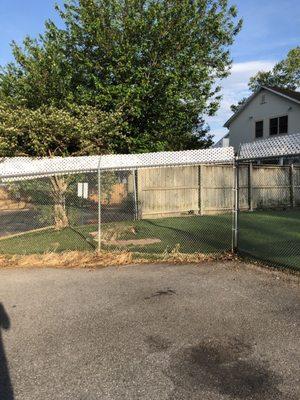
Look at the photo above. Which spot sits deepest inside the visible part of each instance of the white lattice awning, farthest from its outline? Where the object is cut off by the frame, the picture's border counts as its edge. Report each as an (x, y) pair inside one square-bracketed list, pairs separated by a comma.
[(29, 168), (279, 146)]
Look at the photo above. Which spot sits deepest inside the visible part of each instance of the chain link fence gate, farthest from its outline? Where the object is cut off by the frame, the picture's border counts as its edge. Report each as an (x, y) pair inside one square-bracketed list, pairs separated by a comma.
[(269, 201)]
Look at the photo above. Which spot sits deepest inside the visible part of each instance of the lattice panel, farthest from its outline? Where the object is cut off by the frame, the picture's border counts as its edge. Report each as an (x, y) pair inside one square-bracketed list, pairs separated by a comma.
[(27, 168), (287, 145)]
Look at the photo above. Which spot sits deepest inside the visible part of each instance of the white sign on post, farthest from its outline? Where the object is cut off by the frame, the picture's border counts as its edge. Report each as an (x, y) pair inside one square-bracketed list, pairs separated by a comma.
[(83, 190)]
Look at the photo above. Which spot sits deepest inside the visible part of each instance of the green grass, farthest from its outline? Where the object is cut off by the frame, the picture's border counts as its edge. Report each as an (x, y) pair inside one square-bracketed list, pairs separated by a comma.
[(271, 236), (207, 234), (44, 241)]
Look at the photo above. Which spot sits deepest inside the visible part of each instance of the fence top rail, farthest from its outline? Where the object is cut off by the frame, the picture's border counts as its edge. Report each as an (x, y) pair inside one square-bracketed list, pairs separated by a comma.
[(18, 168), (268, 166), (279, 146)]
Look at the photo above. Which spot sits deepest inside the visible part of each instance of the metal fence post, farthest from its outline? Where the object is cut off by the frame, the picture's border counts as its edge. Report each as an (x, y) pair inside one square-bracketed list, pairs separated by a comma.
[(99, 205)]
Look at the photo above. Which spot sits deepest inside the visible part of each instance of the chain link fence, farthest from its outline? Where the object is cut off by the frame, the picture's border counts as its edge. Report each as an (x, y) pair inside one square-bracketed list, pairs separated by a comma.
[(162, 211), (156, 206), (269, 213), (151, 212), (50, 214)]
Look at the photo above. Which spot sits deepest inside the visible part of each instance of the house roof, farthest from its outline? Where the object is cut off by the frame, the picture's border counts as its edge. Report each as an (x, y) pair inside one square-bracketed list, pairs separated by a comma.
[(291, 94), (220, 140), (287, 93)]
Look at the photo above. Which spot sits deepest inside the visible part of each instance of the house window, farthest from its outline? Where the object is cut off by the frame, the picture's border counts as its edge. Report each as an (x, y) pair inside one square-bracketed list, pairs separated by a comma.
[(279, 125), (259, 129), (283, 124), (273, 126)]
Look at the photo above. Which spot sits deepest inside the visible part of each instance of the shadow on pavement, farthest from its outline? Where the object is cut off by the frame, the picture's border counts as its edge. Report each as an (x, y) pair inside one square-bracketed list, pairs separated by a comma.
[(6, 390)]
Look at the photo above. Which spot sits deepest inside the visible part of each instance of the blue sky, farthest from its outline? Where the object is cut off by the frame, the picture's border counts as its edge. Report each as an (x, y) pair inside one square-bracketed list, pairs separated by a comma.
[(271, 28)]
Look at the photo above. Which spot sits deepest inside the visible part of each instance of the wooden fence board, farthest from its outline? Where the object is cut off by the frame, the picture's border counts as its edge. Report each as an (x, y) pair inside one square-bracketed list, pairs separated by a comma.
[(208, 189)]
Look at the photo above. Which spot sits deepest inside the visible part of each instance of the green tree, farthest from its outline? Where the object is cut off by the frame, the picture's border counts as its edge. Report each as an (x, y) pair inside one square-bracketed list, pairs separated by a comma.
[(285, 74), (48, 131), (234, 107), (156, 60), (120, 76)]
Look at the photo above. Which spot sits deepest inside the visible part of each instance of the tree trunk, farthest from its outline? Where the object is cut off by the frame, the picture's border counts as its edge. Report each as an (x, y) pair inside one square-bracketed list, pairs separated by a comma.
[(59, 188)]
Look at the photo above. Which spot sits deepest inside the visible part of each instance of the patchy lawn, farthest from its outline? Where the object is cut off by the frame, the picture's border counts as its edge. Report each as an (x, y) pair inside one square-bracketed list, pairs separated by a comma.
[(270, 236), (206, 234)]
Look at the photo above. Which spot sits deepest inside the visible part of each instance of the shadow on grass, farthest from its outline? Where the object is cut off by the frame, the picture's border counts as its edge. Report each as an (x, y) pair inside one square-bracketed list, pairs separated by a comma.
[(193, 234)]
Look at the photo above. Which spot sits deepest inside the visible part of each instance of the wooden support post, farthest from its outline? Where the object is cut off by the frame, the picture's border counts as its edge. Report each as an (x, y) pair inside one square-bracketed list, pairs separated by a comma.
[(135, 194), (200, 202), (292, 186), (236, 207), (250, 187)]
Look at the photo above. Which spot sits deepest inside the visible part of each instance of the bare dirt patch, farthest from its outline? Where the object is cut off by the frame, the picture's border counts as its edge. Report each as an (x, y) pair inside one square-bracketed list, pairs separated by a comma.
[(132, 242)]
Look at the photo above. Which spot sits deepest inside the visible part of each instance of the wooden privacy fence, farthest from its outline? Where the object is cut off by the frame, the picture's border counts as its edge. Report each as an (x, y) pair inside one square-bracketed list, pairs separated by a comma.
[(208, 189), (203, 189), (268, 186)]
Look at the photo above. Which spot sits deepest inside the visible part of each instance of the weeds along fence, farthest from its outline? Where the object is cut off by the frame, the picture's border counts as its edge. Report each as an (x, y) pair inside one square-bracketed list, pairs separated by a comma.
[(157, 205)]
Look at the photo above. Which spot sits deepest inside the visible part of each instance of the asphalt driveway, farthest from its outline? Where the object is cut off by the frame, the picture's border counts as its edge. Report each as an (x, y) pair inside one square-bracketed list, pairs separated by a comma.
[(213, 331)]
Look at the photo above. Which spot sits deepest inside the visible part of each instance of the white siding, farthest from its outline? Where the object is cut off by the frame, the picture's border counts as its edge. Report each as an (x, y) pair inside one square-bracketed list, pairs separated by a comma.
[(242, 128)]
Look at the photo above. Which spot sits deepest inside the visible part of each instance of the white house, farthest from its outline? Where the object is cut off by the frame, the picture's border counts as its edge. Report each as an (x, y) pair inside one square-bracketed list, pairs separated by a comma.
[(269, 112), (223, 142)]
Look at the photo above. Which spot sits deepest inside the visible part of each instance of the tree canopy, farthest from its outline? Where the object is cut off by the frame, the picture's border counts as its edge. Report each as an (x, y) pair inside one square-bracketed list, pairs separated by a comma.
[(49, 131), (144, 71), (285, 74)]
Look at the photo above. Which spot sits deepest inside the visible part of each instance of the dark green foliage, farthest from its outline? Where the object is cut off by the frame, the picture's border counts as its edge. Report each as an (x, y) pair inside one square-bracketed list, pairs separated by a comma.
[(235, 107), (154, 63), (285, 74)]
